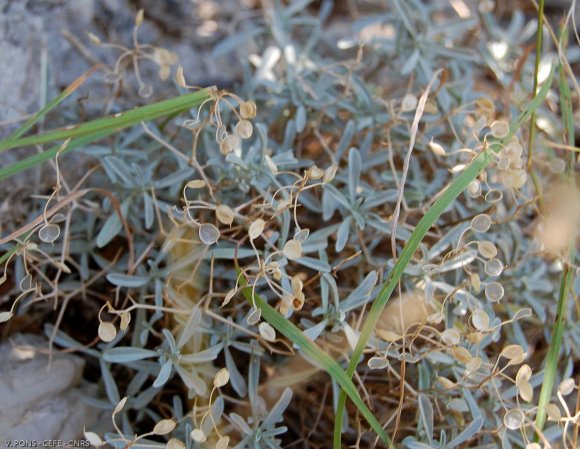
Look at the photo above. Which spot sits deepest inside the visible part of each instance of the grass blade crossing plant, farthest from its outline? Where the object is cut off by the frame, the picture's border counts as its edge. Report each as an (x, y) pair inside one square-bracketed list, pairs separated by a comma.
[(54, 103), (552, 358), (476, 166), (311, 350), (116, 122)]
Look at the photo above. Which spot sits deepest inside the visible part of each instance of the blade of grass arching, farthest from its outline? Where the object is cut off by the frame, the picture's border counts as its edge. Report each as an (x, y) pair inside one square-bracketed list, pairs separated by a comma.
[(311, 350), (551, 368), (551, 365), (39, 158), (530, 167), (451, 193), (52, 104), (115, 122)]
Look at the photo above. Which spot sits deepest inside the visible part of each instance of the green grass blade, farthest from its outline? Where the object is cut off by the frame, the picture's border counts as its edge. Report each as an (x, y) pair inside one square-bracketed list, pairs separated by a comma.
[(551, 368), (51, 105), (453, 191), (551, 364), (311, 350), (113, 123), (39, 158)]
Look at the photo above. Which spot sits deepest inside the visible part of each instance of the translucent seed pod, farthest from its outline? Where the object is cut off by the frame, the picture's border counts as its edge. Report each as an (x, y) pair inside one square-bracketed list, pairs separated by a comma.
[(480, 320), (493, 196), (480, 223), (493, 267), (409, 103), (487, 249), (514, 418), (377, 363), (494, 291), (254, 316), (557, 165), (499, 129), (244, 129), (208, 234), (474, 189), (49, 233), (503, 163), (514, 149)]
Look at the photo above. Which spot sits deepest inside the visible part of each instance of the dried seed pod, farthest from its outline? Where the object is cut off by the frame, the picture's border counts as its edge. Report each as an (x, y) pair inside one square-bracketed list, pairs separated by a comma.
[(254, 316), (514, 418), (480, 223), (179, 78), (107, 331), (256, 229), (487, 249), (164, 426), (493, 267), (198, 435), (553, 412), (196, 184), (224, 214), (377, 363), (223, 442), (409, 103), (244, 129), (229, 143), (267, 332), (436, 148), (450, 337), (566, 386), (221, 378), (248, 110), (293, 249), (174, 443), (480, 320), (49, 233), (474, 189), (499, 129), (494, 291), (208, 234)]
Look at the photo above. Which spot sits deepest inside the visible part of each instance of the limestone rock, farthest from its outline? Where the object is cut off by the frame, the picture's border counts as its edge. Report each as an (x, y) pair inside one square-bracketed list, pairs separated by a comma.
[(41, 401)]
